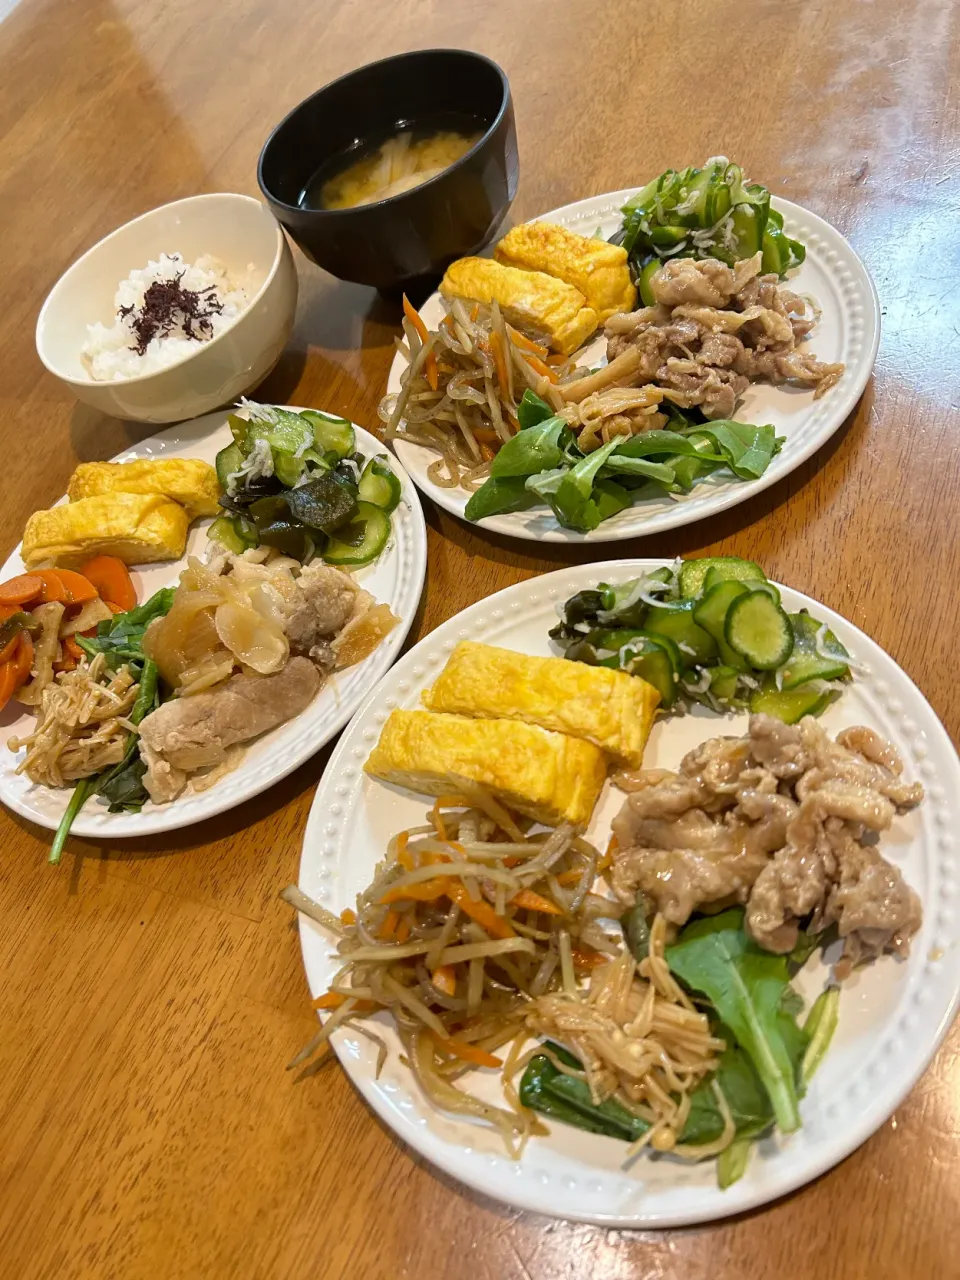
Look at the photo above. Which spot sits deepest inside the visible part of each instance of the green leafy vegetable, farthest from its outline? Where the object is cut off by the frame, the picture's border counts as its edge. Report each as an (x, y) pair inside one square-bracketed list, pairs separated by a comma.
[(497, 496), (819, 1027), (732, 1162), (538, 448), (746, 986), (532, 410)]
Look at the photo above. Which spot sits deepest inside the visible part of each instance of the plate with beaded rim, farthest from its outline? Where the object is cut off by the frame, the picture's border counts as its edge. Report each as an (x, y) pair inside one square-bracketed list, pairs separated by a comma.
[(396, 579), (848, 331), (893, 1014)]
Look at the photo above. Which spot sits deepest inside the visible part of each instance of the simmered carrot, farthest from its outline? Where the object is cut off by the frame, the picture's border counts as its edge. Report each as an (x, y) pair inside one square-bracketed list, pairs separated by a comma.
[(496, 350), (537, 365), (347, 916), (334, 999), (487, 452), (27, 586), (389, 926), (81, 589), (584, 959), (426, 891), (486, 435), (403, 855), (112, 581), (430, 364), (70, 646), (445, 979), (479, 910), (15, 672), (403, 929), (521, 340), (467, 1052), (531, 901)]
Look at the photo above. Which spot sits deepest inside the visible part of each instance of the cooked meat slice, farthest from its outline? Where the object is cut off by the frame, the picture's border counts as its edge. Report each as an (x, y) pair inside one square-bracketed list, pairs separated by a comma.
[(193, 733), (717, 764), (778, 747), (873, 903), (327, 599), (682, 280), (745, 270), (162, 781), (831, 762), (719, 350)]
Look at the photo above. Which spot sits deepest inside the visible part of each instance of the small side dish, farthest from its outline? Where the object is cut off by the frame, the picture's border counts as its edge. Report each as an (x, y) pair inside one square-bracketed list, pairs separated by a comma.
[(711, 631), (163, 311), (295, 481)]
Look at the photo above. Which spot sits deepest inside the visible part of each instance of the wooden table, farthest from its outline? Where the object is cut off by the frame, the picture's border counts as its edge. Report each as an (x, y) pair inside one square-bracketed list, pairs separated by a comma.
[(152, 991)]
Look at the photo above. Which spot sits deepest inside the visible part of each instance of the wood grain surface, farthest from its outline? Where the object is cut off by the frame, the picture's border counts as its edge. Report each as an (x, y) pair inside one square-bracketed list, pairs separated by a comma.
[(152, 991)]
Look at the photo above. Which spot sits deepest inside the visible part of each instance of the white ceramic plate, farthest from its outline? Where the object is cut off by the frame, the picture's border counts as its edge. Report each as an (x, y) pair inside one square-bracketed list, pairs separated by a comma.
[(892, 1014), (849, 330), (395, 579)]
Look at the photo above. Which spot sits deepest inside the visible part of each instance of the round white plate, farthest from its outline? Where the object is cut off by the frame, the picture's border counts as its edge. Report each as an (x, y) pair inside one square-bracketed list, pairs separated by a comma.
[(892, 1014), (849, 330), (395, 579)]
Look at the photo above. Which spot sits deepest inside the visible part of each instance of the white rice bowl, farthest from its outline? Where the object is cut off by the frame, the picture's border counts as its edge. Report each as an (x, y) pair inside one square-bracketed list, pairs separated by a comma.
[(110, 352)]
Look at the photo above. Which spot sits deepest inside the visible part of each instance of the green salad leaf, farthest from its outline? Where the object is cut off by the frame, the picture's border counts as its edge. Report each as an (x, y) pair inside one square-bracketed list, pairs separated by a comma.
[(746, 987), (532, 410), (537, 448)]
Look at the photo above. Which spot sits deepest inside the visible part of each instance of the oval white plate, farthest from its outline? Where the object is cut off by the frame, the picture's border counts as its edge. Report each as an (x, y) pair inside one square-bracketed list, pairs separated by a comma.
[(849, 330), (892, 1015), (396, 579)]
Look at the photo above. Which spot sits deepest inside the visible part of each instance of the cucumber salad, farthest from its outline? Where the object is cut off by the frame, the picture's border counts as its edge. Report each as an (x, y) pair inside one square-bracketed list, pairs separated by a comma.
[(712, 631), (295, 481)]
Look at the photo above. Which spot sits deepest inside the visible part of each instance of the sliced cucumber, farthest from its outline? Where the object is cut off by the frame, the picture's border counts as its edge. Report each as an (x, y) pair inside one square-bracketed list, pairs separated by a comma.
[(693, 573), (228, 461), (287, 468), (379, 486), (759, 630), (747, 227), (728, 569), (710, 612), (372, 524), (331, 435), (644, 287), (655, 659), (694, 643), (222, 531), (723, 683), (238, 427), (788, 705), (806, 663)]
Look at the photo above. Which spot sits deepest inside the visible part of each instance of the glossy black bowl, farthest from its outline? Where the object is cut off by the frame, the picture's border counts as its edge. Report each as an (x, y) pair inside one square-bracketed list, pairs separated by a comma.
[(418, 233)]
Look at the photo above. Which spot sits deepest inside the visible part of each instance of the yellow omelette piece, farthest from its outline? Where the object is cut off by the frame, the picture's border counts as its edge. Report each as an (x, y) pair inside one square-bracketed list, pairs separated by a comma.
[(137, 528), (188, 481), (597, 269), (548, 776), (610, 709)]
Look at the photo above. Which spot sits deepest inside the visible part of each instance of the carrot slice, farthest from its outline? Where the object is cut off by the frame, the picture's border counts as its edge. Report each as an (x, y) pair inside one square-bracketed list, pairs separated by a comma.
[(531, 901), (70, 646), (467, 1052), (80, 589), (112, 581), (27, 586), (15, 672), (427, 891), (389, 926), (430, 364), (334, 999), (403, 929), (584, 959), (53, 588), (445, 980), (537, 365)]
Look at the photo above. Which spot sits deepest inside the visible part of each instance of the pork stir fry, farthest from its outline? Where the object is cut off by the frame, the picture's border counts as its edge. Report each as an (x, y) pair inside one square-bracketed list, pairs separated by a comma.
[(784, 821), (714, 330)]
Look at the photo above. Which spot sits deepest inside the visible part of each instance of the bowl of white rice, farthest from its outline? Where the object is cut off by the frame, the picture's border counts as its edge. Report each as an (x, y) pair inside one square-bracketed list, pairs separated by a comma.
[(180, 311)]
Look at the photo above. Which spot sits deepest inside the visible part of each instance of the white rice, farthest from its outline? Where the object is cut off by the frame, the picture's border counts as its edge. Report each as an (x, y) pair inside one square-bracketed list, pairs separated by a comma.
[(110, 352)]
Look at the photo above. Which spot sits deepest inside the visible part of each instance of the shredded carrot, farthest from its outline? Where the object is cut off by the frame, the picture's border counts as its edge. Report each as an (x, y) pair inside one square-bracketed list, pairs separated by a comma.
[(474, 312), (467, 1052), (531, 901), (334, 999), (389, 926), (487, 452), (526, 343), (403, 855), (445, 802), (486, 435), (479, 910), (554, 360), (403, 929), (347, 916), (430, 364), (607, 858), (583, 959), (496, 348), (427, 891), (445, 979), (514, 422), (537, 365)]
